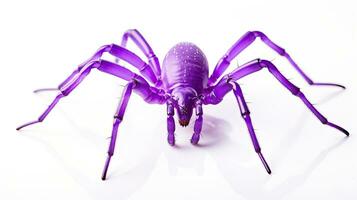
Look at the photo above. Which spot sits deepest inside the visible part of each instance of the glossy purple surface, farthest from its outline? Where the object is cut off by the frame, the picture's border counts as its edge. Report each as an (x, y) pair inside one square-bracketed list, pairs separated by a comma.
[(185, 65), (183, 84)]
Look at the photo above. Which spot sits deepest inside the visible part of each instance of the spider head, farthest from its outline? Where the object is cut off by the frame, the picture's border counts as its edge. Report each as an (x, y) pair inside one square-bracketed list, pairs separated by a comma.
[(185, 98)]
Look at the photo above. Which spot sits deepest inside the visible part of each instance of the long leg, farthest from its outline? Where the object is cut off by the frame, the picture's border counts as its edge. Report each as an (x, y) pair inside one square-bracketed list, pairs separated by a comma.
[(118, 52), (141, 86), (243, 43), (216, 95), (144, 46), (198, 123), (44, 114), (243, 107), (170, 124), (118, 118), (257, 65)]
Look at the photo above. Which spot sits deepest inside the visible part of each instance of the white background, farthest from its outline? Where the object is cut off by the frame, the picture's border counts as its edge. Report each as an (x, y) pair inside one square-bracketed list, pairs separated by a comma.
[(42, 42)]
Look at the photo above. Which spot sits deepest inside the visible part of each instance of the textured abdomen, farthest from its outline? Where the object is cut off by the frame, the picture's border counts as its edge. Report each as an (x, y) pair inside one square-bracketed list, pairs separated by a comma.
[(185, 65)]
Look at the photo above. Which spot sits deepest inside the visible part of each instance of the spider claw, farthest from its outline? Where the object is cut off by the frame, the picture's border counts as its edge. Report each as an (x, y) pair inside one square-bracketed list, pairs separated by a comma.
[(27, 124), (267, 168), (328, 84), (338, 128)]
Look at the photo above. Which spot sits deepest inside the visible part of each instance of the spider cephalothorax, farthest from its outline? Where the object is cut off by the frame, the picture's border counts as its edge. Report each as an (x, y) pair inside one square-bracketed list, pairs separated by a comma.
[(183, 84)]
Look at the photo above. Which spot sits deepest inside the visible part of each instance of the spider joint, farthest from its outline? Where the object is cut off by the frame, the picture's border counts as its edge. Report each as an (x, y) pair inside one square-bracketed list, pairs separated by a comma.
[(151, 55), (117, 117), (170, 109), (143, 67), (245, 114)]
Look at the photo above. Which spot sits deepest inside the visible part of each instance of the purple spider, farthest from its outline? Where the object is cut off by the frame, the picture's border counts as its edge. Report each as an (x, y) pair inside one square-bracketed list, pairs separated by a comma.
[(183, 83)]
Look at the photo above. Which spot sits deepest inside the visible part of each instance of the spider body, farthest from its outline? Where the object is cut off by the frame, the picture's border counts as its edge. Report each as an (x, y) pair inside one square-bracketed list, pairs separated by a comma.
[(185, 65), (183, 84), (185, 76)]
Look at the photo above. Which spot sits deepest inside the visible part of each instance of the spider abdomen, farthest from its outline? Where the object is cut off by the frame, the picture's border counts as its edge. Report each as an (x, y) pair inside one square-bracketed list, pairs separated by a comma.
[(185, 65)]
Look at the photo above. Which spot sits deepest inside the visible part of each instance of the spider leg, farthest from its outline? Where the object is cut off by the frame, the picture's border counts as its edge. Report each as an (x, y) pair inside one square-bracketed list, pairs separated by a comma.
[(216, 95), (243, 107), (148, 93), (44, 114), (257, 65), (118, 118), (243, 43), (198, 123), (117, 51), (45, 89), (144, 46), (170, 124)]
